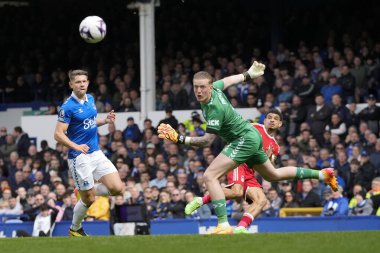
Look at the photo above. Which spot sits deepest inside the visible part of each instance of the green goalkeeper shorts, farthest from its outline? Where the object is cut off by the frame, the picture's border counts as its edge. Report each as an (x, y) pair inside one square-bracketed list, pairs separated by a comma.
[(247, 149)]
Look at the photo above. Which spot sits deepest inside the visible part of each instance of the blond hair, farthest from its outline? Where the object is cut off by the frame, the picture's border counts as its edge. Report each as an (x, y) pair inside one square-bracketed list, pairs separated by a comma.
[(203, 75)]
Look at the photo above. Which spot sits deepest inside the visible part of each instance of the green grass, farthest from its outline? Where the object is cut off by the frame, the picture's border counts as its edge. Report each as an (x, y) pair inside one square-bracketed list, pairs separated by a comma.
[(345, 242)]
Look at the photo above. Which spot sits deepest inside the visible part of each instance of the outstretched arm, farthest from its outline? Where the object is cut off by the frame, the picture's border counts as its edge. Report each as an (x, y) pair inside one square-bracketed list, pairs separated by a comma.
[(165, 131), (256, 70), (203, 141)]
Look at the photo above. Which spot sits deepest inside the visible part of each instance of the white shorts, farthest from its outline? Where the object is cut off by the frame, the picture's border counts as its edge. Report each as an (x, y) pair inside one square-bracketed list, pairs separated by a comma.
[(87, 168)]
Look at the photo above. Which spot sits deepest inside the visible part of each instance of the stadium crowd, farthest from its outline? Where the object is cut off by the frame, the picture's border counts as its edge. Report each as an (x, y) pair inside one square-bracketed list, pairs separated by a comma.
[(316, 86)]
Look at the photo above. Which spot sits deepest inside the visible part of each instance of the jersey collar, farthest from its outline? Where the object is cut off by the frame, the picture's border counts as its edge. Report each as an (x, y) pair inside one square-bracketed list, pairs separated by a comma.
[(81, 101)]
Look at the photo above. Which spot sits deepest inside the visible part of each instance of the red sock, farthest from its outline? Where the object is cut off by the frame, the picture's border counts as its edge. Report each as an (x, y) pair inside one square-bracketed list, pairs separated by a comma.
[(206, 199), (246, 220)]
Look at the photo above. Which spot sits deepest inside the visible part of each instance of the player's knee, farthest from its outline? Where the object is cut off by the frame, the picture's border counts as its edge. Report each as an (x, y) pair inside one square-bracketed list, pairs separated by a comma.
[(117, 190), (272, 178), (238, 192), (89, 200), (207, 177)]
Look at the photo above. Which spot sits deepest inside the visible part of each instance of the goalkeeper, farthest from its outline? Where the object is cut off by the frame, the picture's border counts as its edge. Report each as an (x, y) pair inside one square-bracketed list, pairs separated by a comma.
[(245, 143)]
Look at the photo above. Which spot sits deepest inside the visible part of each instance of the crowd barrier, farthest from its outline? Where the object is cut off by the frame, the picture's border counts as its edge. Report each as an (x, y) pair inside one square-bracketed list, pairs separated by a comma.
[(265, 225), (203, 226), (9, 229)]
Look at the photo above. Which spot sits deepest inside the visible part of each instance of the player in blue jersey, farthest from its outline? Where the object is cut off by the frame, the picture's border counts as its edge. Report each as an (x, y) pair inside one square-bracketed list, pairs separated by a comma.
[(77, 128)]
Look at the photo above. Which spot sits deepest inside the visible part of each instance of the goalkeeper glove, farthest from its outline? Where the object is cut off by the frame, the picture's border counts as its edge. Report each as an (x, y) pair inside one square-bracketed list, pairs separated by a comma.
[(256, 70), (165, 131)]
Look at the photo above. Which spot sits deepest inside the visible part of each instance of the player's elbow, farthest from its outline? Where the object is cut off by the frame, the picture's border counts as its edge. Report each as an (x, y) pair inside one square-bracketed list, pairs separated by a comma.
[(56, 136)]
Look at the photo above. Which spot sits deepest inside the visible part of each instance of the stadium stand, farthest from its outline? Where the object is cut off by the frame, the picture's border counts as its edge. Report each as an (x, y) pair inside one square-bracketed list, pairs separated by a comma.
[(316, 76)]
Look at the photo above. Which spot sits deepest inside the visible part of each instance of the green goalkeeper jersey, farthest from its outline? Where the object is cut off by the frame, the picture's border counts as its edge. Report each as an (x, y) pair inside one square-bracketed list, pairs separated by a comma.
[(221, 118)]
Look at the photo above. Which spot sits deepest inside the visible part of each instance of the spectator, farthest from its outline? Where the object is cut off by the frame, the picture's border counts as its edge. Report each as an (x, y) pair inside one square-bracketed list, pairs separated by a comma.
[(297, 115), (306, 91), (13, 207), (308, 198), (289, 200), (359, 73), (371, 114), (318, 116), (374, 158), (3, 134), (375, 188), (178, 97), (163, 205), (347, 81), (337, 205), (331, 89), (340, 109), (177, 206), (274, 199), (160, 181), (150, 202), (363, 207), (33, 207), (22, 141), (44, 223), (169, 118), (132, 131), (318, 187), (285, 95), (337, 126), (268, 211), (69, 202), (99, 210), (325, 159), (8, 147)]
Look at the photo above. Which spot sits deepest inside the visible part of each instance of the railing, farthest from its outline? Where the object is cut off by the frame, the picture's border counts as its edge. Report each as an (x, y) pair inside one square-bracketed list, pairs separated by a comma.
[(301, 211)]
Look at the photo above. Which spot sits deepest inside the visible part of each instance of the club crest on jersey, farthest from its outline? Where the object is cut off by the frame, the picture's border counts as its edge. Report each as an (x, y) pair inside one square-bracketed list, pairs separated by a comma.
[(61, 114), (80, 110), (213, 122), (93, 106)]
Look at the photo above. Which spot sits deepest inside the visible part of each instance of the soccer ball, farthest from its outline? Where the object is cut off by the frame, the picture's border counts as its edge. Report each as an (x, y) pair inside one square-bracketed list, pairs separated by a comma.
[(92, 29)]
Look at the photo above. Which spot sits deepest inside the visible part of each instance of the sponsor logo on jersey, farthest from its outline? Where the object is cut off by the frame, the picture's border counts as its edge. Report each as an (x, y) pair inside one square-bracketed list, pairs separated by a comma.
[(90, 122), (213, 122), (80, 110)]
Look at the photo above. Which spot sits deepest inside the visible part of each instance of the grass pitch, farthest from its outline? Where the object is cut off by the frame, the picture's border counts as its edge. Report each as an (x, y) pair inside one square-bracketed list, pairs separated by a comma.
[(324, 242)]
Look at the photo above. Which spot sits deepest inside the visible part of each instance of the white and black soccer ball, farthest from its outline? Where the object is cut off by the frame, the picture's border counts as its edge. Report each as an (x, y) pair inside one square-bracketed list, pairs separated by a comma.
[(93, 29)]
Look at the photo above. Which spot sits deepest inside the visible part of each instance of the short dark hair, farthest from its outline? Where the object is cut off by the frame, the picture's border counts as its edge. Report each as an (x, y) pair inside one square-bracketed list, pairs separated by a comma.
[(44, 207), (361, 193), (18, 129), (274, 111)]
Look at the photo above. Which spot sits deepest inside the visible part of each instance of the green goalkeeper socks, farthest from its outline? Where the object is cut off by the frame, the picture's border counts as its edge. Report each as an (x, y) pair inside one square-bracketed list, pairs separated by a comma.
[(303, 173), (220, 210)]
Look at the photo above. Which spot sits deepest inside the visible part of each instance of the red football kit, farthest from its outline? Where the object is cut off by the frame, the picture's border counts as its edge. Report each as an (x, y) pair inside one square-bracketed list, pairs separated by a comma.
[(246, 176)]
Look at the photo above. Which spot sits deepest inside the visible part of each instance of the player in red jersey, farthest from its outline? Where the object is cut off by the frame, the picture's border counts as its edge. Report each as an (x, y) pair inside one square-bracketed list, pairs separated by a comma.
[(242, 181)]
